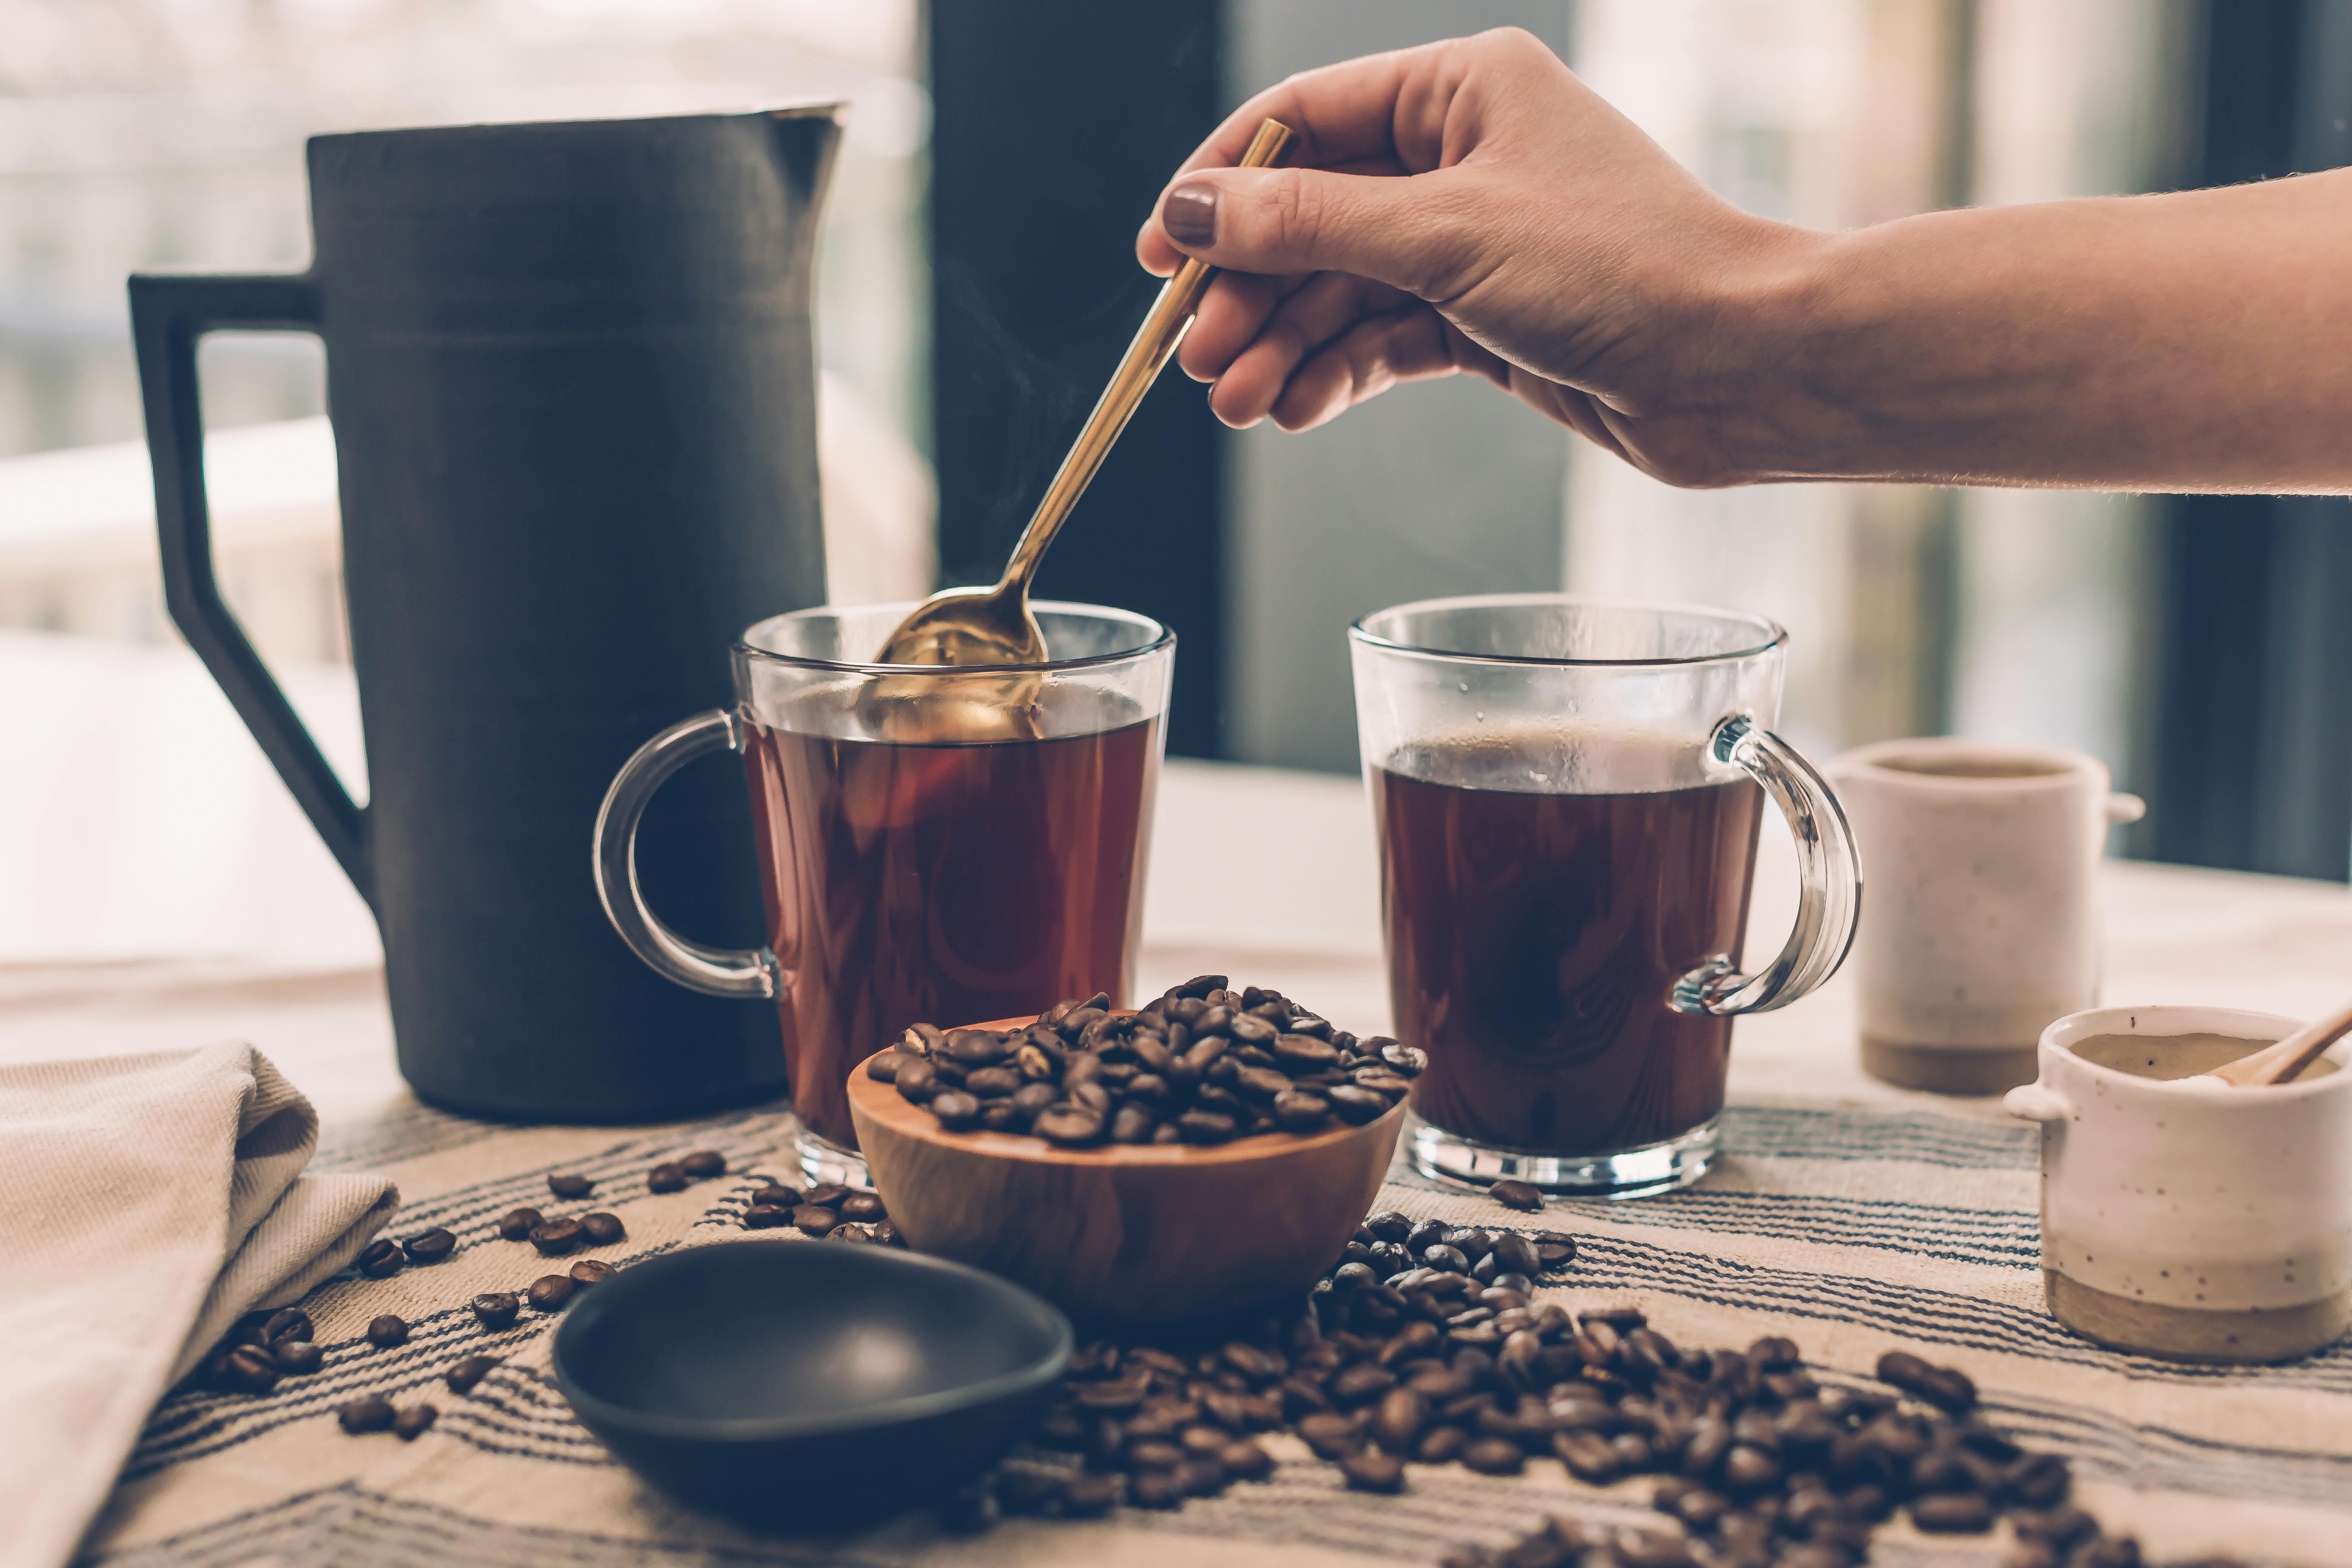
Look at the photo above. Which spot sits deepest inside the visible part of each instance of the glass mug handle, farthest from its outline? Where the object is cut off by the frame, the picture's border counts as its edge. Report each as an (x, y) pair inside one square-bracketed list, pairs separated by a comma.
[(716, 971), (1829, 873)]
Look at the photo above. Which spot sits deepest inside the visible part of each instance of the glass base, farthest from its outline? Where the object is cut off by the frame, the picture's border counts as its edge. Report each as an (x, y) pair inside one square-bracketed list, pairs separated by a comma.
[(1626, 1173), (822, 1160)]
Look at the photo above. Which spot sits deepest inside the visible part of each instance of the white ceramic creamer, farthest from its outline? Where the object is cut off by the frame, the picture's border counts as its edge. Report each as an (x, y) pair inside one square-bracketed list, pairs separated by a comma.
[(2191, 1219), (1982, 923)]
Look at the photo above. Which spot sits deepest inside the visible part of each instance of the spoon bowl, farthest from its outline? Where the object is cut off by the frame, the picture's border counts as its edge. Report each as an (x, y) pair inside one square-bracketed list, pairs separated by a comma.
[(807, 1386)]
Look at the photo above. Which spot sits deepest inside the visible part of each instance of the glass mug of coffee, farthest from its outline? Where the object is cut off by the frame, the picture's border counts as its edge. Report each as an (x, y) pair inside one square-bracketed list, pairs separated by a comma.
[(936, 844), (1568, 795)]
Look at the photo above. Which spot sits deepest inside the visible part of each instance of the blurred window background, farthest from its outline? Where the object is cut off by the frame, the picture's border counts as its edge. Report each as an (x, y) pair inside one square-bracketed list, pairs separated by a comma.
[(976, 284)]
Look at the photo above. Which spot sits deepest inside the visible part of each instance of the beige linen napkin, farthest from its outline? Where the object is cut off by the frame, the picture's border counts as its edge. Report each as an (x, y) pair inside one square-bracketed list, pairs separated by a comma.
[(146, 1204)]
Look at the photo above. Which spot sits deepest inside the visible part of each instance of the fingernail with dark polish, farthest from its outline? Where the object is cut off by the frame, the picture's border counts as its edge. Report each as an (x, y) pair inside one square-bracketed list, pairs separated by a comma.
[(1189, 214)]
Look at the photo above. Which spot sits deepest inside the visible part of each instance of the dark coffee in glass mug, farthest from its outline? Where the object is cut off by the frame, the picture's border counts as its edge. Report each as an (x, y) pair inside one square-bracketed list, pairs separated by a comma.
[(934, 845), (1568, 795)]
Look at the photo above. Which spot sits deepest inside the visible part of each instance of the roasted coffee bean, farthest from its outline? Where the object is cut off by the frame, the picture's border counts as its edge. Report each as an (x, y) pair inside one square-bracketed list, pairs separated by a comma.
[(664, 1179), (1587, 1455), (1554, 1252), (1329, 1433), (814, 1219), (250, 1368), (703, 1163), (296, 1358), (387, 1331), (1154, 1488), (883, 1066), (592, 1271), (955, 1109), (558, 1236), (1965, 1513), (1937, 1386), (1449, 1258), (551, 1292), (287, 1323), (1068, 1126), (862, 1207), (1494, 1456), (603, 1229), (462, 1377), (1410, 1060), (412, 1423), (1261, 1084), (1132, 1124), (1371, 1470), (1516, 1195), (850, 1232), (978, 1047), (381, 1260), (569, 1187), (517, 1224), (429, 1247), (828, 1194), (993, 1082), (367, 1415), (765, 1216), (1354, 1105), (496, 1309), (1205, 1127), (916, 1080)]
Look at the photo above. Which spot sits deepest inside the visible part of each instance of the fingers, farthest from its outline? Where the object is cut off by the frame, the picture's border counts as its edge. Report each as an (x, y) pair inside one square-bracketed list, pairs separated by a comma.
[(1308, 319), (1412, 344), (1416, 233)]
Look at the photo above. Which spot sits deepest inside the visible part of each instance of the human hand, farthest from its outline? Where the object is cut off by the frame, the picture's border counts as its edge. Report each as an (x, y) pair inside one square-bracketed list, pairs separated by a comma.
[(1471, 205)]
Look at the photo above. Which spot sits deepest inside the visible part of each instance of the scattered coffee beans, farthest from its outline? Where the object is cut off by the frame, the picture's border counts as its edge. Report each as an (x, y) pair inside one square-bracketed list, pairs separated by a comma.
[(551, 1292), (381, 1260), (766, 1216), (462, 1377), (411, 1423), (429, 1247), (602, 1229), (558, 1236), (385, 1331), (1425, 1343), (592, 1271), (1202, 1064), (665, 1179), (250, 1369), (518, 1224), (703, 1163), (367, 1415), (496, 1309), (569, 1187)]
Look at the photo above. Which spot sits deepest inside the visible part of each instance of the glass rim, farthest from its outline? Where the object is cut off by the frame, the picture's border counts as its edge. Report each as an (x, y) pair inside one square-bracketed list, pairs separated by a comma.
[(1773, 634), (1161, 638)]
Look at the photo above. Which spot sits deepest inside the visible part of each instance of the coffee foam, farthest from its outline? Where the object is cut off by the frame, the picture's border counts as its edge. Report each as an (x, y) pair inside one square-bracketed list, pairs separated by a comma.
[(1560, 756)]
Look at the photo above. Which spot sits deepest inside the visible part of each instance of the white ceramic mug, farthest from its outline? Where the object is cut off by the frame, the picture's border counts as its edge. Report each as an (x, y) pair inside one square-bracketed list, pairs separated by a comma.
[(1982, 925), (2191, 1219)]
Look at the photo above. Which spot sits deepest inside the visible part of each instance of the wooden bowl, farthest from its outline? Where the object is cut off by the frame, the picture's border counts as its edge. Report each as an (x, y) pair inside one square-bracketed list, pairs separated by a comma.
[(1125, 1234)]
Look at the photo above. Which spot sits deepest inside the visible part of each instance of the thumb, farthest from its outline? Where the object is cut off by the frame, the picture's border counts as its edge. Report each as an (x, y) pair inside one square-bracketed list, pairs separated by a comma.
[(1394, 229)]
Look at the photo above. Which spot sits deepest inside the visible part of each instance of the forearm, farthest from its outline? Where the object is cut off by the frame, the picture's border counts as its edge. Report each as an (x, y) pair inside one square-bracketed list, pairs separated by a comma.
[(2198, 341)]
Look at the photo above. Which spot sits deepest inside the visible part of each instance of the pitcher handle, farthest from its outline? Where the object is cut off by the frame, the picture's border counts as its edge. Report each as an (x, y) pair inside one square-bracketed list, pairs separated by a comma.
[(1829, 870), (715, 971), (168, 314)]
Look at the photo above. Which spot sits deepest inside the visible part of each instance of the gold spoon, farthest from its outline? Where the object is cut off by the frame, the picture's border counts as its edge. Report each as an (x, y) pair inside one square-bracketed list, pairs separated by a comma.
[(2280, 1062), (995, 626)]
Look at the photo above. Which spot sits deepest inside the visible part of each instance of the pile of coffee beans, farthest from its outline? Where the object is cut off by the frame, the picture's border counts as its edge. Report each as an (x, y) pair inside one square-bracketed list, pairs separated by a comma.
[(260, 1349), (1202, 1064), (829, 1210), (1424, 1344)]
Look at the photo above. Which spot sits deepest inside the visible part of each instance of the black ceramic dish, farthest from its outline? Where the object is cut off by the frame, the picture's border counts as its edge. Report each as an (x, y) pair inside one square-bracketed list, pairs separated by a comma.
[(805, 1385)]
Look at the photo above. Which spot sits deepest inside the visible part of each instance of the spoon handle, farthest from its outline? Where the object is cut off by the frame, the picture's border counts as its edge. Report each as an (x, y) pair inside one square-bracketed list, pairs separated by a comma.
[(1154, 346), (2278, 1063)]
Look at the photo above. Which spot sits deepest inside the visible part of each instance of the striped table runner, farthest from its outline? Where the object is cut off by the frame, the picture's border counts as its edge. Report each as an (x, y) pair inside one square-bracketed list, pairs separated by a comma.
[(1851, 1230)]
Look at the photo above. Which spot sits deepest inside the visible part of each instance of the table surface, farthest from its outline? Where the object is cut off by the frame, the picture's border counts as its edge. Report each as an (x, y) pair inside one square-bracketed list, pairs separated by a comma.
[(2173, 935)]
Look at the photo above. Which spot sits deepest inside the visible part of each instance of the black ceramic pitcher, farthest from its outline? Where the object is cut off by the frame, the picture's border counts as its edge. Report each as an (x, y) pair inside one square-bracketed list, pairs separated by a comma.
[(573, 395)]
